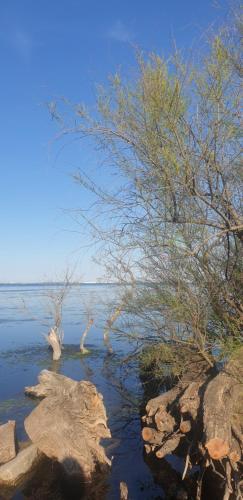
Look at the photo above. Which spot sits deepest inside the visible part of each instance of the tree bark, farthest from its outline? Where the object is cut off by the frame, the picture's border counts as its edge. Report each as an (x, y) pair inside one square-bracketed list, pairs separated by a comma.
[(217, 410)]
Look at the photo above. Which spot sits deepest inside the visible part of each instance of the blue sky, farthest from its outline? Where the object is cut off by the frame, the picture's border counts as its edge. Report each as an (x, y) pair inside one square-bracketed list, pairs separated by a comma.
[(55, 48)]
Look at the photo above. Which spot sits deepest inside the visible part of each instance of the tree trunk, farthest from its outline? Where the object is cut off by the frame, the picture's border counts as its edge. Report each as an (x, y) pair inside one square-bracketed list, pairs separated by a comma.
[(84, 335)]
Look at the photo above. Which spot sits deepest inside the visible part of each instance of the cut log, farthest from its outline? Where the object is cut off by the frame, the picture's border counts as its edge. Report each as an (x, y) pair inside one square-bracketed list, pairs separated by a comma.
[(168, 447), (152, 436), (163, 400), (68, 424), (185, 426), (218, 407), (207, 404), (190, 400), (164, 421), (7, 442), (16, 472), (235, 451)]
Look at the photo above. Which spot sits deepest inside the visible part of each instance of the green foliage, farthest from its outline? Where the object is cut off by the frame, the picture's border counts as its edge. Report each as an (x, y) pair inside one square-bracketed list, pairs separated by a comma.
[(161, 360), (171, 137)]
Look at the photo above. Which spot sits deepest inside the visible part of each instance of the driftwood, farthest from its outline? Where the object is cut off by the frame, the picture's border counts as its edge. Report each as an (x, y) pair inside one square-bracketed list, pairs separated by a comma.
[(201, 414), (7, 442), (15, 473), (50, 384), (68, 423)]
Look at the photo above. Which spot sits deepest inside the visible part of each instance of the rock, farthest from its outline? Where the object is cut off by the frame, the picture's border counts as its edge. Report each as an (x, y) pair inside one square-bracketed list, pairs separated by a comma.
[(17, 471), (7, 442), (68, 424)]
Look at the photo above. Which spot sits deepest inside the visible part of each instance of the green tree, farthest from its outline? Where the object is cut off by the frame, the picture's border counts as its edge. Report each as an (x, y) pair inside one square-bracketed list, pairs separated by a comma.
[(174, 222), (172, 137)]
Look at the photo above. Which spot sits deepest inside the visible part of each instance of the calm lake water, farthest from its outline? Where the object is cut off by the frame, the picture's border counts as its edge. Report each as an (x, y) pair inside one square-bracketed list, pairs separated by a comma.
[(24, 319)]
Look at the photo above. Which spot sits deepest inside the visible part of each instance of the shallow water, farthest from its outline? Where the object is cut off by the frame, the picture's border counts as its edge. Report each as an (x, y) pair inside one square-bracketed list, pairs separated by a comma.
[(24, 318)]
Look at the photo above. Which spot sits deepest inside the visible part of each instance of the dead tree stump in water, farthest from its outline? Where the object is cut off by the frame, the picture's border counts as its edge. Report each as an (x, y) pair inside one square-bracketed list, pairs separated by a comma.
[(68, 423), (54, 340)]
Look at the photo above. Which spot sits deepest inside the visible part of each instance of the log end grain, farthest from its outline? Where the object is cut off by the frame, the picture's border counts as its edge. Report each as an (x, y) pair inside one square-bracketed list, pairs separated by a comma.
[(217, 448)]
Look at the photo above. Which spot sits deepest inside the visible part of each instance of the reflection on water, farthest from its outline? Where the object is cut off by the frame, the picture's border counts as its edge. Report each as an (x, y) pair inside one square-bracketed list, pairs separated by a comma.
[(24, 318)]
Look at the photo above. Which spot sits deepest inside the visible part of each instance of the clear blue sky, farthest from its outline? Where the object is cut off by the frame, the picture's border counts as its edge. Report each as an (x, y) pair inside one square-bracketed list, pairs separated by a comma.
[(53, 48)]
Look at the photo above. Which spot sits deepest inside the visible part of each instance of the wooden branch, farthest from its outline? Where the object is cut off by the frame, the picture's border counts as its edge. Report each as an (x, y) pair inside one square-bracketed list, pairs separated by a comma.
[(162, 401), (169, 446), (190, 400)]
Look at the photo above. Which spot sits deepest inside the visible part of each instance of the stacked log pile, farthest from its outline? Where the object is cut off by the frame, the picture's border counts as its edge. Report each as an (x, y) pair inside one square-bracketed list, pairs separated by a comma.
[(201, 418)]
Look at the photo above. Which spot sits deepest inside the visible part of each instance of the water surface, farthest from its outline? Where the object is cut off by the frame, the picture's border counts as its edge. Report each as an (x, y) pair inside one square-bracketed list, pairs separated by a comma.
[(24, 319)]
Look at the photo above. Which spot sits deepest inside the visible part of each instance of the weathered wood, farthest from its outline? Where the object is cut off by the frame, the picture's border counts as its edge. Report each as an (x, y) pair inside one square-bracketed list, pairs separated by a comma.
[(218, 407), (68, 424), (7, 441), (152, 436), (84, 335), (217, 411), (16, 472), (168, 447), (164, 421), (162, 401), (235, 451), (208, 405), (185, 426), (147, 420), (54, 341), (190, 399), (50, 384)]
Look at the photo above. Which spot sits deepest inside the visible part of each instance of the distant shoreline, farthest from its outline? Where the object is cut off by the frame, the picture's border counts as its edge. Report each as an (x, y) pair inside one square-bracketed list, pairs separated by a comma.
[(58, 283)]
